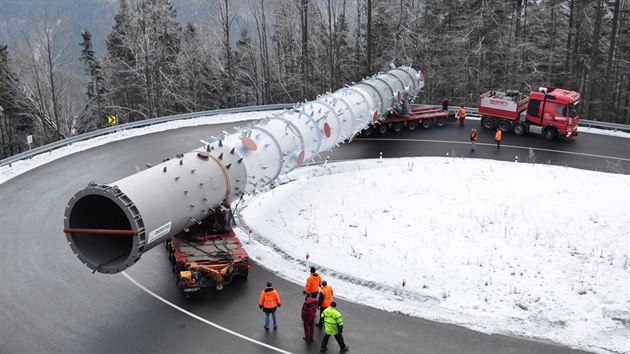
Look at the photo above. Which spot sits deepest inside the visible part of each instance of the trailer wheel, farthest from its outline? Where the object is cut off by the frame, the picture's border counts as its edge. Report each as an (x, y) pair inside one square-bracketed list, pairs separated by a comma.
[(382, 129), (367, 131), (412, 125), (488, 122), (441, 121), (504, 125), (550, 134), (519, 128), (426, 123), (397, 126)]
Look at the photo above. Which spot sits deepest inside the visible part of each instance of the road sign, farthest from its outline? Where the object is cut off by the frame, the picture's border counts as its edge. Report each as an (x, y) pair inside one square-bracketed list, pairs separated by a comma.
[(29, 141), (111, 120)]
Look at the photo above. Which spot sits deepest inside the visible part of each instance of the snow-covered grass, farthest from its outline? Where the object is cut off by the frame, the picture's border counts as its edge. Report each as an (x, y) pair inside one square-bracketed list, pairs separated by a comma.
[(533, 250)]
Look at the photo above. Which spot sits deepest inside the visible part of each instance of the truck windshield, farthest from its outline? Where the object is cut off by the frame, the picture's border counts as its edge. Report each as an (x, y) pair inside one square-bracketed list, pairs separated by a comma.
[(574, 109)]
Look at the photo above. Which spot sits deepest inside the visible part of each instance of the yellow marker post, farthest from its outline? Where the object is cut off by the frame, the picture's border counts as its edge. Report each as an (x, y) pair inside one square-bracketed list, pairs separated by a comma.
[(111, 120)]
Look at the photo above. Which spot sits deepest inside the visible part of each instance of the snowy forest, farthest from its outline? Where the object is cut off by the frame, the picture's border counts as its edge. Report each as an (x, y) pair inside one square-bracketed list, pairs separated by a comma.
[(54, 84)]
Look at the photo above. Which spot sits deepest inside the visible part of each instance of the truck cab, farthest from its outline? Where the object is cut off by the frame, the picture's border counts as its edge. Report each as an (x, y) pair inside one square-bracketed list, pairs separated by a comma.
[(553, 112)]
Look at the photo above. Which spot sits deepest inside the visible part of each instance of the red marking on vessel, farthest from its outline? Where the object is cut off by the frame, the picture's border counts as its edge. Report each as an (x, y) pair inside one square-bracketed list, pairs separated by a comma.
[(327, 129), (249, 143), (300, 159), (375, 117)]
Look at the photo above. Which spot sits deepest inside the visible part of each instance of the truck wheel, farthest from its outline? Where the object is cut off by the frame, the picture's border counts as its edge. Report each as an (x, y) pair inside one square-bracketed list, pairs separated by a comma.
[(488, 122), (441, 121), (397, 126), (504, 125), (412, 125), (550, 134), (367, 131), (382, 129), (426, 123), (519, 129)]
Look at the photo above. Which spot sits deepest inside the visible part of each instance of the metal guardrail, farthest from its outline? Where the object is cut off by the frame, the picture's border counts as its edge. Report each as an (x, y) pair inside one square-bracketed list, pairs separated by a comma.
[(472, 112), (138, 124)]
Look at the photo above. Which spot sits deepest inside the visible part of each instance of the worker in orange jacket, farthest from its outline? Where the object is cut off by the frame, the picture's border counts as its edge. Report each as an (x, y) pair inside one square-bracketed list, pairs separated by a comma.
[(313, 282), (473, 139), (497, 137), (324, 300), (269, 301), (462, 115)]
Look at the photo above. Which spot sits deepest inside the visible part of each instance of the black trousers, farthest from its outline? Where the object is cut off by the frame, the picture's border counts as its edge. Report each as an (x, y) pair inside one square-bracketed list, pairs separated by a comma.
[(338, 337)]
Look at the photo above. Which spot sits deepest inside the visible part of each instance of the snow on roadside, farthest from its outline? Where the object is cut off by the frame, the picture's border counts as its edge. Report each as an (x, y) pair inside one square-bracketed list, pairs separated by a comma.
[(533, 250), (22, 166)]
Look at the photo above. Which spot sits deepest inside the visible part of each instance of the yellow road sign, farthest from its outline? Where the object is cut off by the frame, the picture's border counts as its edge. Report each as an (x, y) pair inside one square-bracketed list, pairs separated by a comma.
[(111, 120)]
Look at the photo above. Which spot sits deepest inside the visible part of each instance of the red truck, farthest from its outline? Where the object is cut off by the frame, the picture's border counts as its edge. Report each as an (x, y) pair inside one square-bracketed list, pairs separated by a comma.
[(551, 112), (411, 118), (208, 254)]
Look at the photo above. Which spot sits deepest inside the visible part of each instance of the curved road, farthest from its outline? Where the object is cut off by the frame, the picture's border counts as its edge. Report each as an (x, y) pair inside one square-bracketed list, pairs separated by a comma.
[(51, 303)]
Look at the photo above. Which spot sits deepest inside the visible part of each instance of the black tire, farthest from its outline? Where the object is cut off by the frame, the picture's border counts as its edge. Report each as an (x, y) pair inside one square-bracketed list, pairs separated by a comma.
[(550, 134), (367, 131), (440, 122), (426, 123), (504, 125), (519, 128), (412, 125), (382, 129), (397, 127), (488, 122)]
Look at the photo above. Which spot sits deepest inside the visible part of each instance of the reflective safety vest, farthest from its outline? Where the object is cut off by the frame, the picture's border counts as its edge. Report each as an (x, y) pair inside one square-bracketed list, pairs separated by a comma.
[(473, 135), (313, 283), (326, 294), (332, 320), (269, 298), (498, 135), (462, 112)]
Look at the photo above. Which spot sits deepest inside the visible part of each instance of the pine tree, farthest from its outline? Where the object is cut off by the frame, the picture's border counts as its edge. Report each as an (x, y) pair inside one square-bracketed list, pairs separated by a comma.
[(96, 101), (14, 125), (245, 69), (128, 97)]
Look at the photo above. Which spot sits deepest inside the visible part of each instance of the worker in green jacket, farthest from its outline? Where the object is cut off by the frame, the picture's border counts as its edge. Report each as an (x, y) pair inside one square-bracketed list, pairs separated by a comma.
[(333, 326)]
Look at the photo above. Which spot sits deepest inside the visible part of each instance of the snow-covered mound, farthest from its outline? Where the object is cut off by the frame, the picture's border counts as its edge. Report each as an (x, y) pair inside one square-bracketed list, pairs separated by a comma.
[(534, 250)]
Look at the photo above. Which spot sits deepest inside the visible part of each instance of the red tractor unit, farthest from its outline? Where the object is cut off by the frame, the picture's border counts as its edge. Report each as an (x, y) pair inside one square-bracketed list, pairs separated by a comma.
[(551, 112), (208, 254)]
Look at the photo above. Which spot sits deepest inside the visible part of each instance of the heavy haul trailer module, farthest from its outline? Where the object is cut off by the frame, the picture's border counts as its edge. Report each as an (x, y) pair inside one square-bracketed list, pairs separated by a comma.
[(208, 254), (416, 116)]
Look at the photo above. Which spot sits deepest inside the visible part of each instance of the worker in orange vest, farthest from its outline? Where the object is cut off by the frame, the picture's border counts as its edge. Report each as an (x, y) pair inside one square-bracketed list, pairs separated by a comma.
[(497, 137), (462, 115), (473, 139), (324, 300), (269, 301), (313, 282)]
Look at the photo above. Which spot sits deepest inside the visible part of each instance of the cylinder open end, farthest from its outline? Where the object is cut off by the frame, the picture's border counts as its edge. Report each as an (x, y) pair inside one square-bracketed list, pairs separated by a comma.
[(101, 231)]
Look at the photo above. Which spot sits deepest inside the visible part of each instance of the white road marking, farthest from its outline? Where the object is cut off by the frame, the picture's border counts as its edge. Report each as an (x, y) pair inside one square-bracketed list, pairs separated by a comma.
[(502, 146), (201, 318)]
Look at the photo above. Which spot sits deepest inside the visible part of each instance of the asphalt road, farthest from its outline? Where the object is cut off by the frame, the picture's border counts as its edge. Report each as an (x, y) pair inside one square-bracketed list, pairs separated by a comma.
[(50, 302)]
